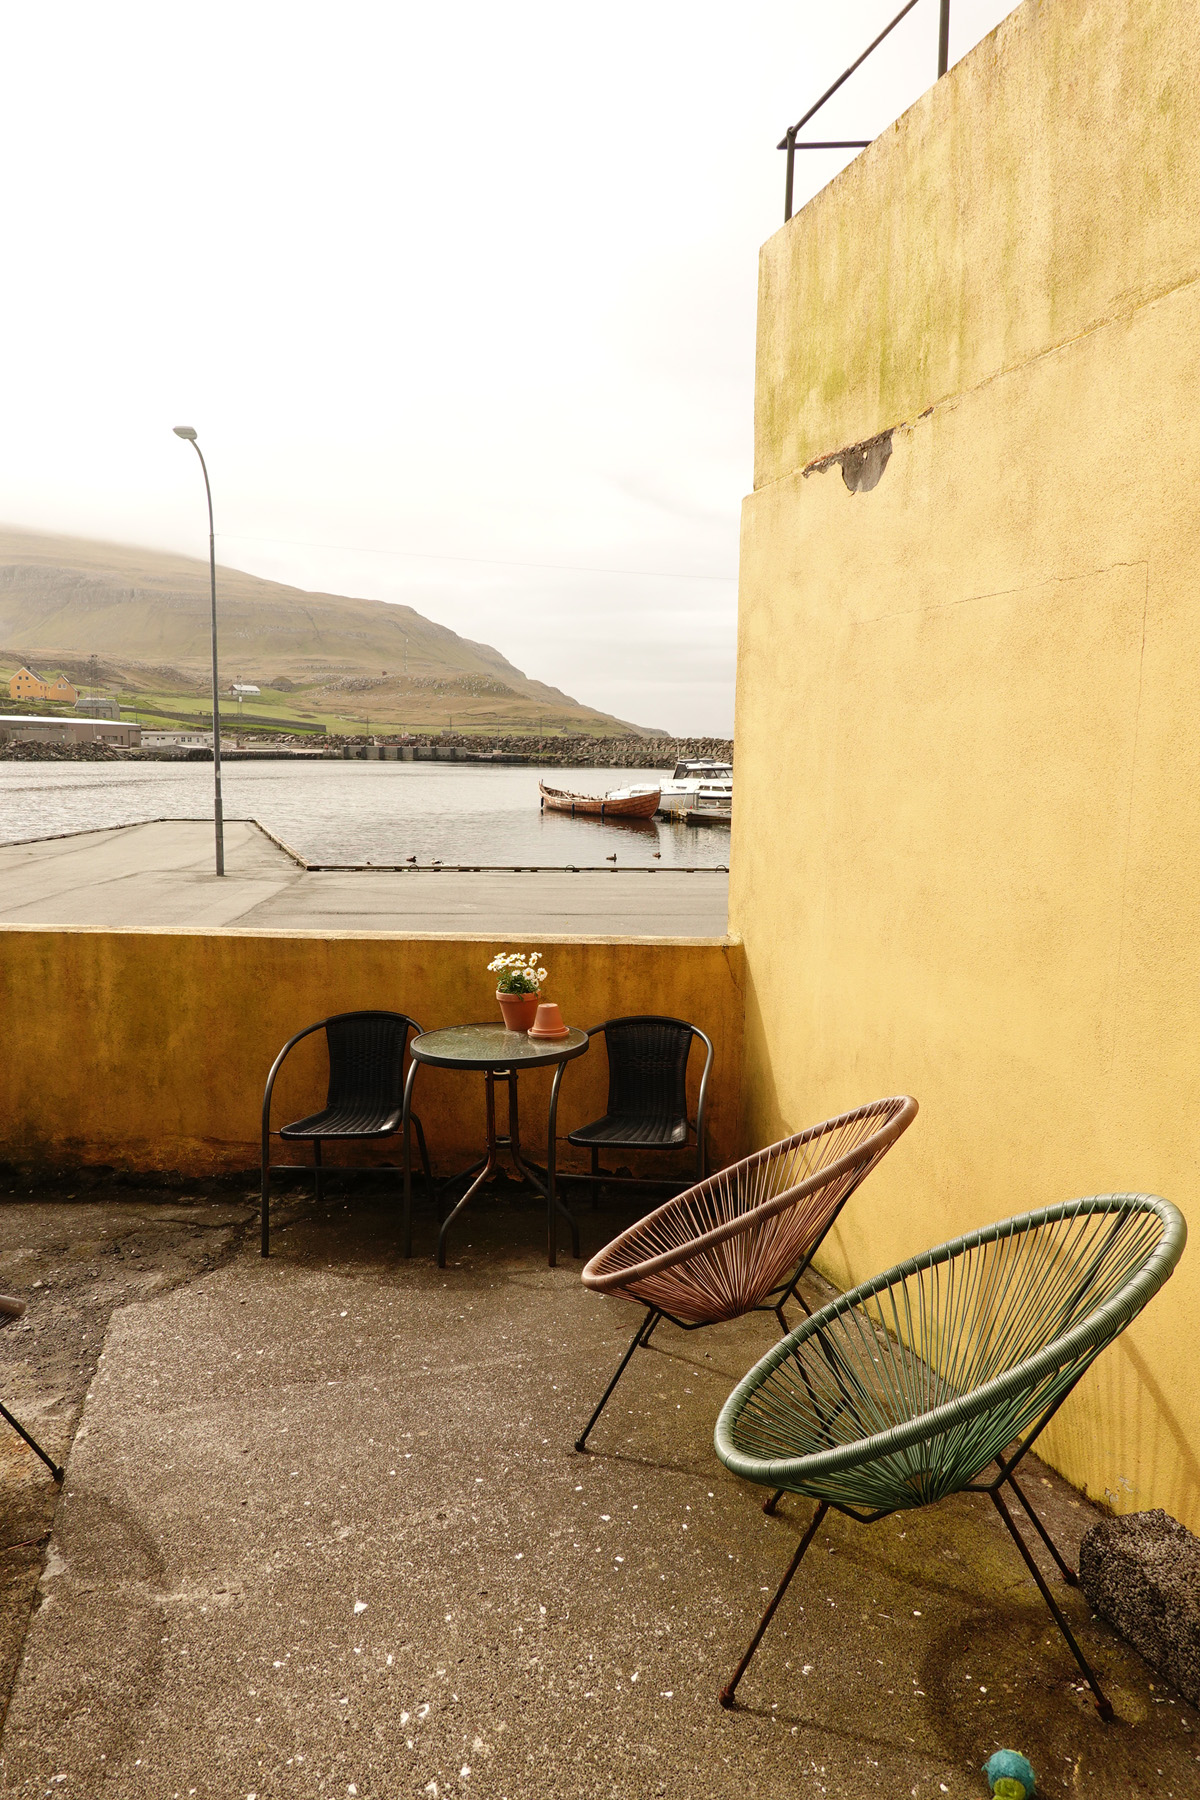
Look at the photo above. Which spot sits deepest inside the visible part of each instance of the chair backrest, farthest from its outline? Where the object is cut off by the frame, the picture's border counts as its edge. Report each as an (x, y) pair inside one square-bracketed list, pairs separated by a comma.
[(366, 1059), (647, 1066), (904, 1389), (721, 1247)]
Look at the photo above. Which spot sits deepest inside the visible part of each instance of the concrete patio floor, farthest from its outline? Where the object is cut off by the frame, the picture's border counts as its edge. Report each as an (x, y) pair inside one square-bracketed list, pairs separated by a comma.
[(161, 875), (323, 1532)]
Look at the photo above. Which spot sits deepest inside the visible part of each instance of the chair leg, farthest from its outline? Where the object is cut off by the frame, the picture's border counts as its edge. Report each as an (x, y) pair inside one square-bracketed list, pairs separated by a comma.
[(792, 1292), (770, 1505), (596, 1190), (1065, 1570), (319, 1172), (427, 1171), (1103, 1704), (730, 1688), (643, 1331), (265, 1244), (32, 1442)]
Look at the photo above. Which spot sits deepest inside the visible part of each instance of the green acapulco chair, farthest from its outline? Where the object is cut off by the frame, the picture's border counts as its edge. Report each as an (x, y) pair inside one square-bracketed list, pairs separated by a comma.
[(936, 1377)]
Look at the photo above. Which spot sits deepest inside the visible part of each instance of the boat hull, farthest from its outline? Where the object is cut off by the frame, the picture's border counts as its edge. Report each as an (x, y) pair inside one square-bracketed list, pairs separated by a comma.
[(600, 806)]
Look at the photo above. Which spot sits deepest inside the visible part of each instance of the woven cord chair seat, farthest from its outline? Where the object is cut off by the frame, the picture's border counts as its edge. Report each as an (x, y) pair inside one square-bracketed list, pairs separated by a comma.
[(905, 1389), (720, 1248)]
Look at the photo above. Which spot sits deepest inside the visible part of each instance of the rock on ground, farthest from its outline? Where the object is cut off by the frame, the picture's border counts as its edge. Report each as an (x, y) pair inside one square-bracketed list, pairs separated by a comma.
[(1142, 1573)]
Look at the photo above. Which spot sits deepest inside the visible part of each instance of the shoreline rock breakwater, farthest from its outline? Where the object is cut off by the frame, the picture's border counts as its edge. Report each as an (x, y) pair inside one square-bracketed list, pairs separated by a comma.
[(545, 752), (552, 752), (34, 752)]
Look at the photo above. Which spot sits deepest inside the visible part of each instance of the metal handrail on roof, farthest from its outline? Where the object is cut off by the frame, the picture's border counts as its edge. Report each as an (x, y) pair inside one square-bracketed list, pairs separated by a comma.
[(788, 140)]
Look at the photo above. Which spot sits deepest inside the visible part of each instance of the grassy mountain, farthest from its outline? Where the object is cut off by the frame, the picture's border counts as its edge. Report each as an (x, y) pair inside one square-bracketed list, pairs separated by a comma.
[(142, 618)]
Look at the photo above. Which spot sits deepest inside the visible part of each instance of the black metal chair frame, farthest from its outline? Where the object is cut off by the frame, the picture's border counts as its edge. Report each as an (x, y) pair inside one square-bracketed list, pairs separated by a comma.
[(15, 1309), (600, 1177), (1006, 1465), (317, 1168)]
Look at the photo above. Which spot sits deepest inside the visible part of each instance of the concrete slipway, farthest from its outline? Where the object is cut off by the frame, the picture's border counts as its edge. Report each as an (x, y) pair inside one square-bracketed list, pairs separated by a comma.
[(323, 1533), (161, 874)]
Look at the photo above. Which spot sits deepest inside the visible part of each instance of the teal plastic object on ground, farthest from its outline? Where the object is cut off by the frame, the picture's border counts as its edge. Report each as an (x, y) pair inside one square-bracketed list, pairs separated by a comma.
[(1010, 1775)]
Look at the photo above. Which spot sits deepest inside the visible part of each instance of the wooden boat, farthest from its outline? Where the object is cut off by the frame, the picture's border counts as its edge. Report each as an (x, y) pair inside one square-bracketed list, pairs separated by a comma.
[(623, 803)]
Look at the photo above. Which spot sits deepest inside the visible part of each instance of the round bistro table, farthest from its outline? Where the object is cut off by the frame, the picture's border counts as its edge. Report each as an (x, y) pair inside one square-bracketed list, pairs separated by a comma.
[(500, 1055)]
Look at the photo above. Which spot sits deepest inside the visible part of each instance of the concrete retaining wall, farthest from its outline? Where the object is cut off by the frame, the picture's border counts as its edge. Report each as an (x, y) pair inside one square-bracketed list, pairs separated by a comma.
[(149, 1050)]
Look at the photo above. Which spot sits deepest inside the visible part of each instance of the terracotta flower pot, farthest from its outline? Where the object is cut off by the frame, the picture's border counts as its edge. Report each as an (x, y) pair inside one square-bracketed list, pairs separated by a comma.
[(520, 1010), (549, 1021)]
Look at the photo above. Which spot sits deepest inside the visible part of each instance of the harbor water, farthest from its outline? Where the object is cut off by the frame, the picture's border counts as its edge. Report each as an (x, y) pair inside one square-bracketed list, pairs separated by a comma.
[(358, 812)]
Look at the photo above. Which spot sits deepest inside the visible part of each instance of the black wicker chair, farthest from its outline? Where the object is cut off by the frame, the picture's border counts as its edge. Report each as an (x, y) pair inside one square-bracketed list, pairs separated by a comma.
[(647, 1095), (365, 1097)]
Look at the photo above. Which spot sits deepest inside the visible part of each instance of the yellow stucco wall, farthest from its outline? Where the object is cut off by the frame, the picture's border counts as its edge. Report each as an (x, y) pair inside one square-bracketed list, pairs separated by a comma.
[(966, 857), (149, 1050)]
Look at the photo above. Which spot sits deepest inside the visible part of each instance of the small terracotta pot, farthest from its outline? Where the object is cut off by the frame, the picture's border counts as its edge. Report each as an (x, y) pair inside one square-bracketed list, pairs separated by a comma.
[(520, 1010), (549, 1022)]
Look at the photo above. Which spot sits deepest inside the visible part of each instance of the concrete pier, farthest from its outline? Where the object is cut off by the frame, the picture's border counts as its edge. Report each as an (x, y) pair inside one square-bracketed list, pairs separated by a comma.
[(161, 874)]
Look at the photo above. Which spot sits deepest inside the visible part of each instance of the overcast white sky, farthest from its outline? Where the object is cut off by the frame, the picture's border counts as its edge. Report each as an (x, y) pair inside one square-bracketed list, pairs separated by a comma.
[(460, 298)]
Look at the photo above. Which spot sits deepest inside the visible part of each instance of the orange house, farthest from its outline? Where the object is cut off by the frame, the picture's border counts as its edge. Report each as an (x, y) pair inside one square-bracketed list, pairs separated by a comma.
[(26, 684)]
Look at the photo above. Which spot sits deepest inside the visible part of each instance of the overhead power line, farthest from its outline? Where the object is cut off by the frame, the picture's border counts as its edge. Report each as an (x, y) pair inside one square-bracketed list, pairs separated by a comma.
[(504, 562)]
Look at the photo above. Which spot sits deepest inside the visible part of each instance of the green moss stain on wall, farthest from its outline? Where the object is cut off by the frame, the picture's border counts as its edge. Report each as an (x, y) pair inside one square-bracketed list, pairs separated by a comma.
[(1035, 192)]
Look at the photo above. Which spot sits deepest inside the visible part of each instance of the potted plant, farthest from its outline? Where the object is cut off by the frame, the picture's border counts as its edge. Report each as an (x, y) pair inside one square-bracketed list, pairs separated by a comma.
[(518, 984)]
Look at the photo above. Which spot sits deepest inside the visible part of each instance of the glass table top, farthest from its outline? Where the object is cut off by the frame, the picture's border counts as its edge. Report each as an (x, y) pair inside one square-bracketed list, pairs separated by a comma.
[(492, 1047)]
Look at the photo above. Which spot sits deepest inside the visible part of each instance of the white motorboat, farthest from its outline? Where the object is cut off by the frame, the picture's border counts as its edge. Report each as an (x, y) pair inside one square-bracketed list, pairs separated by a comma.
[(698, 786)]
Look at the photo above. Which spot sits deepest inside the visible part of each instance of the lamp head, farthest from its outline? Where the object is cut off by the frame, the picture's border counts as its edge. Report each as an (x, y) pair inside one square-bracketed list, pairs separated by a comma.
[(185, 431)]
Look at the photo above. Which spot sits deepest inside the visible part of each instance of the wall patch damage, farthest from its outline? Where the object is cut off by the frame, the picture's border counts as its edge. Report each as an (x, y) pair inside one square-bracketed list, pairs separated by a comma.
[(862, 465)]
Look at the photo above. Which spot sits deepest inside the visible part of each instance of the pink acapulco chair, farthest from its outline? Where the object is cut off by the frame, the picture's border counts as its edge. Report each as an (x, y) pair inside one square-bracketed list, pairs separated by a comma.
[(739, 1241)]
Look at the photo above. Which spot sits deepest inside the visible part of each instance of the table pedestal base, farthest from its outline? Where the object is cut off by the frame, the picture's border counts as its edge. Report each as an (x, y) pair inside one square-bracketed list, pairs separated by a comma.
[(543, 1179)]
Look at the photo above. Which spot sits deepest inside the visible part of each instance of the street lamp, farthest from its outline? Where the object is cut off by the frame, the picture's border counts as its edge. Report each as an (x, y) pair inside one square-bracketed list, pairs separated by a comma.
[(186, 432)]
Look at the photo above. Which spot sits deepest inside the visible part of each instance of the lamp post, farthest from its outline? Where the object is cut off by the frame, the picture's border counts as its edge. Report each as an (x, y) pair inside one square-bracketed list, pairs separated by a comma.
[(186, 432)]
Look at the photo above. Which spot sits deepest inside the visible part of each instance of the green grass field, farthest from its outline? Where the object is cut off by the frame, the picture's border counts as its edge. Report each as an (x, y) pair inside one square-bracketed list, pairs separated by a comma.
[(300, 709)]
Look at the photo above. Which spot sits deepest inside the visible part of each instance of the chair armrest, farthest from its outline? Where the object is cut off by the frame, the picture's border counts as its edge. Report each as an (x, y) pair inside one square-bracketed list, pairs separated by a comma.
[(700, 1105), (270, 1087)]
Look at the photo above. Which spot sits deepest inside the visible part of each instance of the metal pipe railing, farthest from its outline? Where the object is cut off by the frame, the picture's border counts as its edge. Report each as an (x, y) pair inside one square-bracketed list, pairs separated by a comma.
[(788, 140)]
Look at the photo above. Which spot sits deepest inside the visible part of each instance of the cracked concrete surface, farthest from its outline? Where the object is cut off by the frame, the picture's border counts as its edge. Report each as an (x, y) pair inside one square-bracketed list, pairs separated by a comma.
[(323, 1533)]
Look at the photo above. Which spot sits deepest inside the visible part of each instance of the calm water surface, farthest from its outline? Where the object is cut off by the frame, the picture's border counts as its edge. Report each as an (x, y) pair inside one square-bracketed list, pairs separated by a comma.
[(359, 811)]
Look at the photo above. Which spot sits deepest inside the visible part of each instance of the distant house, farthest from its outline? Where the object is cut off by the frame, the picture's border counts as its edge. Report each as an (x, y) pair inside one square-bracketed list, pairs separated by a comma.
[(27, 684), (98, 706)]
